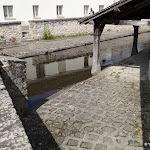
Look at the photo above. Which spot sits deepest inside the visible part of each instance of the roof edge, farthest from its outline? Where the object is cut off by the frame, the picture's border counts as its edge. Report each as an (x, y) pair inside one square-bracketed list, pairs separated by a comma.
[(104, 11)]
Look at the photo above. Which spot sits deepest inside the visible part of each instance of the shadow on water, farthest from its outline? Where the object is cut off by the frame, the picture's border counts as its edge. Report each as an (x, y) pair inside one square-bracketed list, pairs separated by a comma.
[(39, 136)]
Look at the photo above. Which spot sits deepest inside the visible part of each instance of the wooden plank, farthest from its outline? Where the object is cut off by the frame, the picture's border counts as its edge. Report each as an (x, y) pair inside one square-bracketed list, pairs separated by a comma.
[(125, 22), (149, 72), (134, 22), (133, 9), (135, 41), (98, 29)]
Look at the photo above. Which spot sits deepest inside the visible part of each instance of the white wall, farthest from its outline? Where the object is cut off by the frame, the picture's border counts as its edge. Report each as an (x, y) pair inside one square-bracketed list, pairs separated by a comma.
[(23, 10)]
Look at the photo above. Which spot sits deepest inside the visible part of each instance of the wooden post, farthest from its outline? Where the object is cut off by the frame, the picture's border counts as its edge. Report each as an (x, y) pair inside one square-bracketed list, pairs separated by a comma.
[(86, 63), (135, 41), (98, 29), (149, 72), (40, 70), (62, 66)]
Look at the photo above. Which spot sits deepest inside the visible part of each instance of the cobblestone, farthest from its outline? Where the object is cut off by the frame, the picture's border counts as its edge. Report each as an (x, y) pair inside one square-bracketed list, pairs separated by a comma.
[(112, 116), (100, 147), (72, 142), (86, 145)]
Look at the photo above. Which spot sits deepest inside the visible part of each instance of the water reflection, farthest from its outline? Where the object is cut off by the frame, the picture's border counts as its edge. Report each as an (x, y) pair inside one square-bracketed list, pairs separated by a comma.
[(55, 68), (47, 74), (48, 79), (62, 66), (40, 70)]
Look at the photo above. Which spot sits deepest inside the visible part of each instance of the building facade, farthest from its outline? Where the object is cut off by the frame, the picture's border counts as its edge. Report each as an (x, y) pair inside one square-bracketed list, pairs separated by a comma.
[(19, 10)]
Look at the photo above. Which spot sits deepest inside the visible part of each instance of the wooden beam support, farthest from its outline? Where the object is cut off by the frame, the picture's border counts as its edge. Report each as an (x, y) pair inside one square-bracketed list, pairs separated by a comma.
[(125, 22), (98, 29), (134, 22), (149, 72), (135, 41)]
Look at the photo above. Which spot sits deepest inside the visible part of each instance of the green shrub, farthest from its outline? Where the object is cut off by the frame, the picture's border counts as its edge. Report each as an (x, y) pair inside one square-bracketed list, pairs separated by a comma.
[(47, 34)]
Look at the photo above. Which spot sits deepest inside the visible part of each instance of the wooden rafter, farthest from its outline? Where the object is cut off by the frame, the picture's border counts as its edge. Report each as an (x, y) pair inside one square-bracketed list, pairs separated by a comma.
[(132, 9)]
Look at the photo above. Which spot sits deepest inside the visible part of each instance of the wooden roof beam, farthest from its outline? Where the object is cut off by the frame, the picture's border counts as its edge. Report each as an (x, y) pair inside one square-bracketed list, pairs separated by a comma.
[(105, 11), (132, 10)]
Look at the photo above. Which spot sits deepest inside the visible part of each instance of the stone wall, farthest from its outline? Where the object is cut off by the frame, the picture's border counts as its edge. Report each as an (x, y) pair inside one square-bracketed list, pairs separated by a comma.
[(9, 30), (34, 29), (58, 27), (13, 72)]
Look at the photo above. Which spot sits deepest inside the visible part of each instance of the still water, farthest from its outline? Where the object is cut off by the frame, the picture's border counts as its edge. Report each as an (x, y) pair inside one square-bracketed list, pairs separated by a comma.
[(46, 77)]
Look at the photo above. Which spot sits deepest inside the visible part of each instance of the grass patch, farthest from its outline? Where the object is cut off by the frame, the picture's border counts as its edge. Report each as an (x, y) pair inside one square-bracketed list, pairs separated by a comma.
[(63, 36), (47, 34)]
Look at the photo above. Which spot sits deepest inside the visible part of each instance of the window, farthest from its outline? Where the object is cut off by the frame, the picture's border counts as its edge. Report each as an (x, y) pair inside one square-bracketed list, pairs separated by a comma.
[(59, 10), (101, 7), (86, 9), (8, 11), (35, 11)]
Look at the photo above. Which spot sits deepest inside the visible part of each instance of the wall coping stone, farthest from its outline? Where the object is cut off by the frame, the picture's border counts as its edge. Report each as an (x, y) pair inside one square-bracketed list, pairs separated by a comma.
[(8, 58), (10, 23), (56, 20)]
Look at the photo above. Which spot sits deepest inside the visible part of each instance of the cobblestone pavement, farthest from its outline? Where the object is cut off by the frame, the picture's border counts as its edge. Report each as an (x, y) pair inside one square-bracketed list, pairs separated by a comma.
[(42, 47), (109, 111), (12, 133)]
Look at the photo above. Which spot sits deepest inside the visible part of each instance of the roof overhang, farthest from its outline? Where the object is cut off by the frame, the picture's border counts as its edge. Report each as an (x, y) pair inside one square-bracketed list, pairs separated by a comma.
[(122, 10)]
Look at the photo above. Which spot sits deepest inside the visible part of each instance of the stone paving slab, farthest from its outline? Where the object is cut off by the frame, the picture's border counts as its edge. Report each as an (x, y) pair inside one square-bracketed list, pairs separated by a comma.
[(109, 111), (43, 47), (12, 133)]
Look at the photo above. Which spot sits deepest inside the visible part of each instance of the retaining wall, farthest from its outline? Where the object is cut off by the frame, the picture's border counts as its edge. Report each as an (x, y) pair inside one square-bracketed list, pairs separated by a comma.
[(13, 72), (34, 29), (9, 30), (60, 27)]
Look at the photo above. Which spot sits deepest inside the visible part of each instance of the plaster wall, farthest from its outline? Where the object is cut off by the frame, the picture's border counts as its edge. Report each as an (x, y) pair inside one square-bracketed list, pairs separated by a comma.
[(23, 10)]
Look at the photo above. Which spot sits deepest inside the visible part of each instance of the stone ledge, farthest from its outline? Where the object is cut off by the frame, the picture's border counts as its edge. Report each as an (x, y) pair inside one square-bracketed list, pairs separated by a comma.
[(10, 23), (55, 20), (8, 58), (13, 73)]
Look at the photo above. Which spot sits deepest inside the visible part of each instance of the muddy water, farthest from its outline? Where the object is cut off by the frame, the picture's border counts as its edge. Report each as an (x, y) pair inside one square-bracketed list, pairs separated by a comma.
[(47, 74)]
